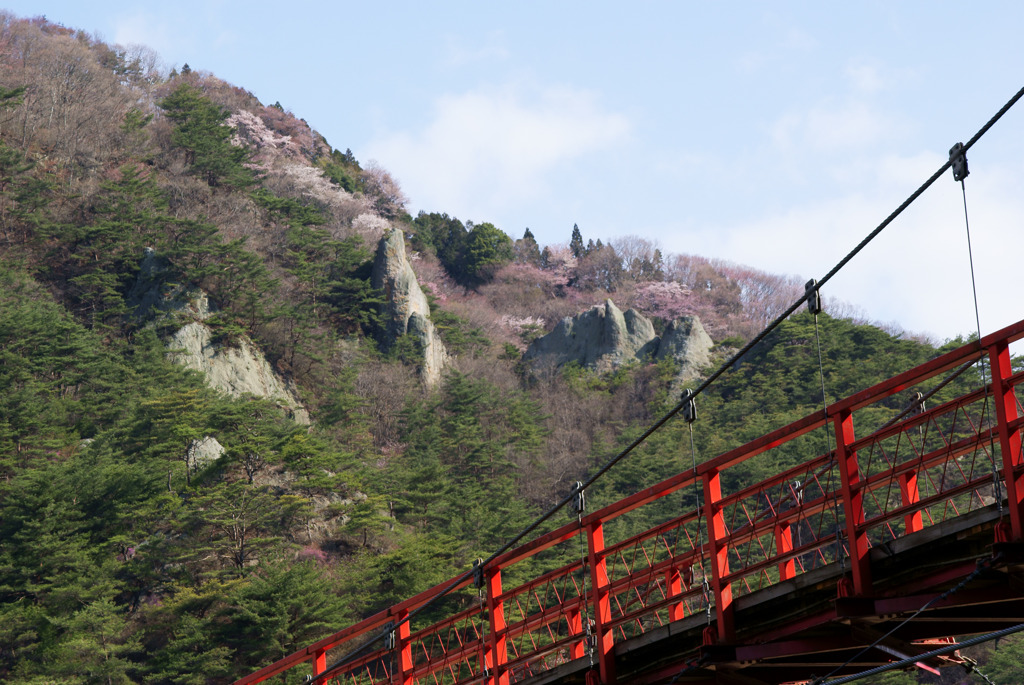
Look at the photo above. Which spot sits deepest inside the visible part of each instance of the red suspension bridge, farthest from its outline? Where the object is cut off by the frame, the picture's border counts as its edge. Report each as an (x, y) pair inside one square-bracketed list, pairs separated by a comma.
[(879, 548)]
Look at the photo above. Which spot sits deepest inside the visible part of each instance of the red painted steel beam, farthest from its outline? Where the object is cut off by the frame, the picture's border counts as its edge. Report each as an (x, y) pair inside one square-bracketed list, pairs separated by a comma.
[(497, 645), (853, 503), (926, 461), (403, 675), (718, 543), (604, 637), (1009, 440)]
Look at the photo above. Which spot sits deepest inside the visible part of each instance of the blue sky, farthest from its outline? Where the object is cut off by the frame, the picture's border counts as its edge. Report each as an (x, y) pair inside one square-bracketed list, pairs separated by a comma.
[(770, 134)]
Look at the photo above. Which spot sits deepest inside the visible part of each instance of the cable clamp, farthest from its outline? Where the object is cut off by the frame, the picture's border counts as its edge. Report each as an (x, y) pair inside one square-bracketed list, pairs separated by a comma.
[(813, 297), (478, 574), (689, 401), (579, 499), (390, 639), (917, 404), (958, 162)]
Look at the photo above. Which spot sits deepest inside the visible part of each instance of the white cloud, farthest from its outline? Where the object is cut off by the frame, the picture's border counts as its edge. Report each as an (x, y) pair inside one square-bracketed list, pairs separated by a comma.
[(917, 270), (493, 148), (865, 77), (490, 49), (146, 29), (871, 76), (831, 127)]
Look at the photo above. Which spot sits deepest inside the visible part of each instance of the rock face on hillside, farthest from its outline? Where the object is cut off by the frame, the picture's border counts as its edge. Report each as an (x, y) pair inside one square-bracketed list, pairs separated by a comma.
[(600, 338), (236, 369), (604, 337), (407, 311), (688, 344)]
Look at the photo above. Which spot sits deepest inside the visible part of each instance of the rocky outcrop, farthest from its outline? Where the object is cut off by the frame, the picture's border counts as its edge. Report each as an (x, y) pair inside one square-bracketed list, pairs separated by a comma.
[(600, 338), (407, 311), (234, 369), (604, 337), (688, 344), (203, 452)]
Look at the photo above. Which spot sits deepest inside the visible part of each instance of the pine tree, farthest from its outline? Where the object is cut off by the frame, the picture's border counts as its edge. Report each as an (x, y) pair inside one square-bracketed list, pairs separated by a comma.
[(200, 130), (576, 242)]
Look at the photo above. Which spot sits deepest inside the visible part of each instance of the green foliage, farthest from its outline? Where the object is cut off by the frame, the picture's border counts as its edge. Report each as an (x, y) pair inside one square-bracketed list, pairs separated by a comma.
[(344, 170), (1005, 662), (406, 349), (24, 197), (335, 274), (486, 249), (201, 132), (124, 559), (442, 234), (60, 385), (458, 476), (469, 256), (576, 242), (458, 336)]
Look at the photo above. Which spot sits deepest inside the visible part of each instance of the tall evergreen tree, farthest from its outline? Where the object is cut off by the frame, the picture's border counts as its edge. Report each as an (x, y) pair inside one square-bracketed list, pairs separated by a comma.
[(200, 131), (576, 242)]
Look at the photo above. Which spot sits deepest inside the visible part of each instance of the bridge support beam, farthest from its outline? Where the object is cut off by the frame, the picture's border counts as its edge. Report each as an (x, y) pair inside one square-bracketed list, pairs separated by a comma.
[(674, 586), (574, 619), (853, 504), (784, 545), (718, 541), (1009, 440), (402, 673), (496, 649), (910, 494), (320, 661), (604, 637)]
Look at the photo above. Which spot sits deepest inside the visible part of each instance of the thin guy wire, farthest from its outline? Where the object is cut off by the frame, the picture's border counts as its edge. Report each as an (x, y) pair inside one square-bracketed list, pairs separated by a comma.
[(700, 529), (586, 601), (973, 670), (700, 388), (828, 446), (985, 413)]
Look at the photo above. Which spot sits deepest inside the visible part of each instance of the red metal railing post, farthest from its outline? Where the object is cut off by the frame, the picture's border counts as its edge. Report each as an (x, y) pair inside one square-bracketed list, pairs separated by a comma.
[(402, 673), (718, 541), (853, 504), (320, 661), (604, 637), (1009, 440), (574, 619), (496, 651), (783, 546), (673, 588), (909, 494)]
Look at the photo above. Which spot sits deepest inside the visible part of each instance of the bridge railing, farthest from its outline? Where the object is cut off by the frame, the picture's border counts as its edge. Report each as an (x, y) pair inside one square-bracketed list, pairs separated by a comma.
[(923, 467)]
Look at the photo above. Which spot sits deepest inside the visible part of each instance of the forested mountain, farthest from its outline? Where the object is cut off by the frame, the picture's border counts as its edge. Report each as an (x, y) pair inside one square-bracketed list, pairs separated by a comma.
[(126, 559)]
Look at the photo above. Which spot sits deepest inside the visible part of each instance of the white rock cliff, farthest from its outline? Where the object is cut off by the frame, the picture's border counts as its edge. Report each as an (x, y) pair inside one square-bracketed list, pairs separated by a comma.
[(407, 311)]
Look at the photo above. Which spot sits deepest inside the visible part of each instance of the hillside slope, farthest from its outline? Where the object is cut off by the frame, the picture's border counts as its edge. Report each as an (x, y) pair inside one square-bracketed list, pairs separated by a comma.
[(129, 553)]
